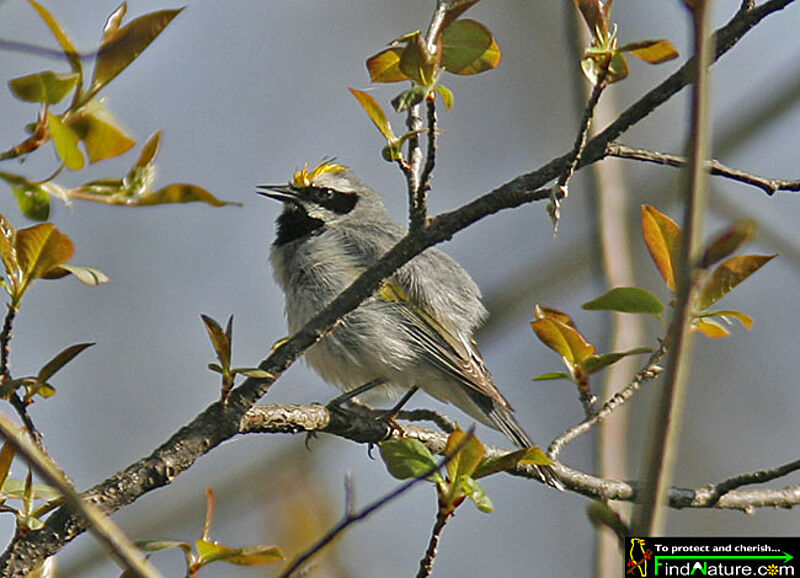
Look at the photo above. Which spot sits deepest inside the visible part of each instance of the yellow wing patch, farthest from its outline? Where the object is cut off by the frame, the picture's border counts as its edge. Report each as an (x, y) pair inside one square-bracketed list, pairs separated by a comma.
[(304, 178)]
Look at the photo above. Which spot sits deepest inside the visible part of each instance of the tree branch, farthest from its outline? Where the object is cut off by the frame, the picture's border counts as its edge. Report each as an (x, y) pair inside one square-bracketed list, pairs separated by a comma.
[(769, 186), (216, 423)]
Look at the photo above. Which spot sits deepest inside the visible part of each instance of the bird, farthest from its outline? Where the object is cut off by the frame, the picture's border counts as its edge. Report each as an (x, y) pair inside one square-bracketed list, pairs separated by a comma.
[(415, 331)]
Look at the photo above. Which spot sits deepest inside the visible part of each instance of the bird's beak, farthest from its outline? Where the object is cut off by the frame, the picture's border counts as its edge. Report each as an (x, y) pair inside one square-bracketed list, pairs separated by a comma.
[(282, 193)]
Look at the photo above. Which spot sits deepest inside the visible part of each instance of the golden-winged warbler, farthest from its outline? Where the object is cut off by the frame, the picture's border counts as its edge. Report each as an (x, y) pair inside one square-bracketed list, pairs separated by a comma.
[(415, 331)]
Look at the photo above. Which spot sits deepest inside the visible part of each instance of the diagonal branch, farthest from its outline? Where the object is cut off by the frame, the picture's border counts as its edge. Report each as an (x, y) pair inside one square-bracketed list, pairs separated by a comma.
[(218, 423)]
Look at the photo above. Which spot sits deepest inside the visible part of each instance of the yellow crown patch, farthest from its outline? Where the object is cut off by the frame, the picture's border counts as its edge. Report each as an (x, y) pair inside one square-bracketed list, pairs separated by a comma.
[(304, 178)]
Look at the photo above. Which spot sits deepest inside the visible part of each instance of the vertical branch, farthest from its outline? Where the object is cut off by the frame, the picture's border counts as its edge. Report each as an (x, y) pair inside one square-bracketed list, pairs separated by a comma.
[(426, 564), (418, 176), (659, 461), (5, 375), (419, 209)]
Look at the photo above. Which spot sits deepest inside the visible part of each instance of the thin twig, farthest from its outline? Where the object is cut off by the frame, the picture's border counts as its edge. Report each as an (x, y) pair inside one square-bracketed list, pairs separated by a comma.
[(561, 188), (659, 460), (716, 491), (769, 186), (648, 372), (121, 548), (352, 517), (426, 564)]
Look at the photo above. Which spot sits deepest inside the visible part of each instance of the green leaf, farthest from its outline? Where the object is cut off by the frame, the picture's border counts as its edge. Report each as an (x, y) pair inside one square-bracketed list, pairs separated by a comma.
[(220, 340), (179, 193), (563, 339), (40, 249), (446, 94), (121, 46), (66, 142), (15, 488), (727, 276), (469, 48), (7, 454), (507, 462), (728, 241), (409, 98), (595, 363), (33, 201), (478, 495), (551, 376), (626, 300), (652, 51), (662, 236), (86, 275), (48, 87), (149, 150), (408, 458), (60, 360), (100, 132), (375, 113), (61, 36), (385, 66)]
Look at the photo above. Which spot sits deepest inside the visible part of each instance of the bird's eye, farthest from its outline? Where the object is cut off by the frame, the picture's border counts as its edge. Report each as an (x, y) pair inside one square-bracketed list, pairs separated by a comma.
[(325, 194)]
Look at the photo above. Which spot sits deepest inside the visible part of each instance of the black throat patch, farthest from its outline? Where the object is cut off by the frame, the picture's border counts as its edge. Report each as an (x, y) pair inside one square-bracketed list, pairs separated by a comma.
[(294, 223)]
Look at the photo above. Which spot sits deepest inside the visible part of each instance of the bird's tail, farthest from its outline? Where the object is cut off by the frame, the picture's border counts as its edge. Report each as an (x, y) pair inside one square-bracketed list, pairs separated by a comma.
[(504, 420)]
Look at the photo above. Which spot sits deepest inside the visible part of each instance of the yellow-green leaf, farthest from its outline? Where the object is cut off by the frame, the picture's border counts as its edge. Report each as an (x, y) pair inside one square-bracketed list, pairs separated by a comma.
[(374, 112), (552, 376), (86, 275), (477, 494), (149, 150), (652, 51), (626, 300), (617, 68), (532, 455), (385, 66), (40, 249), (114, 21), (469, 456), (728, 241), (61, 36), (64, 357), (662, 236), (710, 328), (121, 46), (727, 276), (595, 14), (7, 454), (744, 318), (66, 142), (446, 94), (33, 201), (8, 245), (220, 340), (48, 87), (563, 339), (469, 48), (416, 62), (542, 312), (180, 193), (254, 555), (100, 132)]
